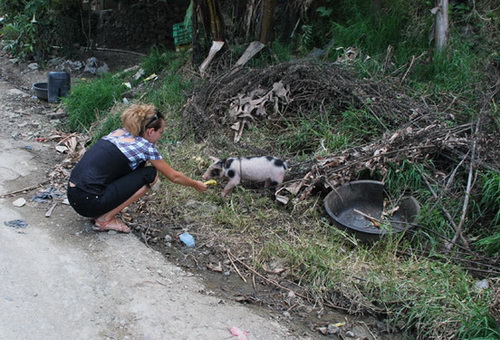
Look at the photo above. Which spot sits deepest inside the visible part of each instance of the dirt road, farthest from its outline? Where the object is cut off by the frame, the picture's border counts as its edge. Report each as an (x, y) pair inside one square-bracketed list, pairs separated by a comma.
[(60, 280)]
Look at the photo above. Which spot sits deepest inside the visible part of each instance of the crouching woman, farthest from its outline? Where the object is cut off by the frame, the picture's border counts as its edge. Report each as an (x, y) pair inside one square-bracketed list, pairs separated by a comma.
[(113, 174)]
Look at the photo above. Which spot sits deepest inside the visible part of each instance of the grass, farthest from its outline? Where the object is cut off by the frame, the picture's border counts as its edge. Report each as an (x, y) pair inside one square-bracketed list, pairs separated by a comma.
[(488, 203), (317, 133), (90, 101), (162, 60)]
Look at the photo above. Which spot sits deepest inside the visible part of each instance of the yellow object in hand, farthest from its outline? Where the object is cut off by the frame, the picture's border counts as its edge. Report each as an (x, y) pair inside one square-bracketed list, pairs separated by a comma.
[(211, 182)]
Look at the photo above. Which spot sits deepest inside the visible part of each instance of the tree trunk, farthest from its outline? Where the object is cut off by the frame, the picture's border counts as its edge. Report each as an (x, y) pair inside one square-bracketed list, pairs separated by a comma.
[(216, 26), (197, 57), (267, 20), (441, 11)]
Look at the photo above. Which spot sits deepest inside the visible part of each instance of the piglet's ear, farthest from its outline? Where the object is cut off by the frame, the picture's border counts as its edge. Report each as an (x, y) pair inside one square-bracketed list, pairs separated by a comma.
[(215, 159)]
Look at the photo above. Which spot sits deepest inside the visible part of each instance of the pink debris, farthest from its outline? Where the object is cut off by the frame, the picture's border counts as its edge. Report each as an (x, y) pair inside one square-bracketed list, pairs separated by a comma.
[(242, 335)]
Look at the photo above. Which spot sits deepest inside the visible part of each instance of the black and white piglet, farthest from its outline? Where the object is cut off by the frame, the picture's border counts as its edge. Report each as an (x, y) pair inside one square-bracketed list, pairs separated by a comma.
[(267, 169)]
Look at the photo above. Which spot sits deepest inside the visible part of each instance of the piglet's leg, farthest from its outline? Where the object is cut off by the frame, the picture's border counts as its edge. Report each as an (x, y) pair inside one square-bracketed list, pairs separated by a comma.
[(230, 185), (272, 182)]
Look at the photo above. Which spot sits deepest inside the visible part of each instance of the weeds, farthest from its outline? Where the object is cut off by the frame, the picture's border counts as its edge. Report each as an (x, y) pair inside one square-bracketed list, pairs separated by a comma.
[(163, 60), (89, 101), (489, 206), (34, 27)]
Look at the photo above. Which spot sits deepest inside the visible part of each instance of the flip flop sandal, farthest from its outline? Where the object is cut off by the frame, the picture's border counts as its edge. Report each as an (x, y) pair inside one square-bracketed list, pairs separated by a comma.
[(122, 227)]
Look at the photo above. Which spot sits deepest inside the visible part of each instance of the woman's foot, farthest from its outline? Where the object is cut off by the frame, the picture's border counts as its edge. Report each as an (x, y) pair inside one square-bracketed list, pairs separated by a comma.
[(113, 224)]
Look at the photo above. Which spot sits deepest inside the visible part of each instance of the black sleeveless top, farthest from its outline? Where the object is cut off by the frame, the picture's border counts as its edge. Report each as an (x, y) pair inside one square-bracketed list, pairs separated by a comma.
[(102, 164)]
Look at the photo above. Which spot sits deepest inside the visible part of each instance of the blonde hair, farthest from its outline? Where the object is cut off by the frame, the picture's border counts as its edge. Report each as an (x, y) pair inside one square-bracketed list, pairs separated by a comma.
[(136, 117)]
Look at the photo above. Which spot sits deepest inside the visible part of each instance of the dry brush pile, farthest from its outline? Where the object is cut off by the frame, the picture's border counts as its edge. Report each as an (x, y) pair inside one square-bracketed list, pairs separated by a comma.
[(414, 131)]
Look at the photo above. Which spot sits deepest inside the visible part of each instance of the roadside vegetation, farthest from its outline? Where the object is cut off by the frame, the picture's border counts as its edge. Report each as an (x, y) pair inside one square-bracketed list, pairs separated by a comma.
[(441, 280)]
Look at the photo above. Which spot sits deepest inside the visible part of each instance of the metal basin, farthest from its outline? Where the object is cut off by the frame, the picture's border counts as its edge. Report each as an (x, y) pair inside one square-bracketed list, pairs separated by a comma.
[(357, 208)]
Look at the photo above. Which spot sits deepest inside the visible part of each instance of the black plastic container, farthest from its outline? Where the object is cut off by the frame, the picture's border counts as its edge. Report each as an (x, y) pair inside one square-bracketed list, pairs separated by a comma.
[(59, 85), (40, 90)]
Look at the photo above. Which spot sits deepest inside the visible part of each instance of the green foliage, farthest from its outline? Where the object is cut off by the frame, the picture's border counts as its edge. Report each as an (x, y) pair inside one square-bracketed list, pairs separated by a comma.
[(357, 24), (171, 93), (315, 132), (11, 8), (361, 125), (282, 52), (160, 59), (489, 209), (405, 177), (480, 325), (12, 33), (33, 27), (318, 132), (21, 37), (452, 70), (491, 244), (89, 101), (490, 197), (154, 62)]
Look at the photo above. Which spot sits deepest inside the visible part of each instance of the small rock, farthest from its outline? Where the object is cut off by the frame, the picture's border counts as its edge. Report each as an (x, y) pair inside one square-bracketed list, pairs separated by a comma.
[(61, 148), (103, 69), (19, 202), (323, 330), (483, 284), (332, 329), (60, 113)]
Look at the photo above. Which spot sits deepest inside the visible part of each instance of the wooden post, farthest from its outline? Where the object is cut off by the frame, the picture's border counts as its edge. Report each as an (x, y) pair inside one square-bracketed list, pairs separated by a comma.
[(441, 12)]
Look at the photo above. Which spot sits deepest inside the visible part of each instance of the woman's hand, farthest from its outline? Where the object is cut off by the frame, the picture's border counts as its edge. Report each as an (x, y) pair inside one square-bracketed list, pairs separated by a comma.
[(200, 186)]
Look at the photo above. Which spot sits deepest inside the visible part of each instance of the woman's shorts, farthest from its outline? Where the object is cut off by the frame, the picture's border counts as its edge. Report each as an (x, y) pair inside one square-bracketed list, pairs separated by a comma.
[(117, 192)]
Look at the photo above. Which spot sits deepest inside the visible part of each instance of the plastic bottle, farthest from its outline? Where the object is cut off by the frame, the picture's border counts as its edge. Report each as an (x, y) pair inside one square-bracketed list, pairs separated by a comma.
[(187, 239)]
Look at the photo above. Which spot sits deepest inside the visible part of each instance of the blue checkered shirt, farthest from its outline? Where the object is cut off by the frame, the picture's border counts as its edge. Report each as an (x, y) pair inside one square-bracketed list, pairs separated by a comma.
[(138, 151)]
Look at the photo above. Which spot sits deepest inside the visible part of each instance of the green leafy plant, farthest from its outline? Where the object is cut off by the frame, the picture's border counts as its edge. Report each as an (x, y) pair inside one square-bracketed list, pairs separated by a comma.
[(33, 27), (20, 37)]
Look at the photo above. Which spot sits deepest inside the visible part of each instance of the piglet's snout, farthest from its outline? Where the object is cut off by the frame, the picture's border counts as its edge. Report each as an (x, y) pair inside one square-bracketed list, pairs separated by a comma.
[(214, 171)]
